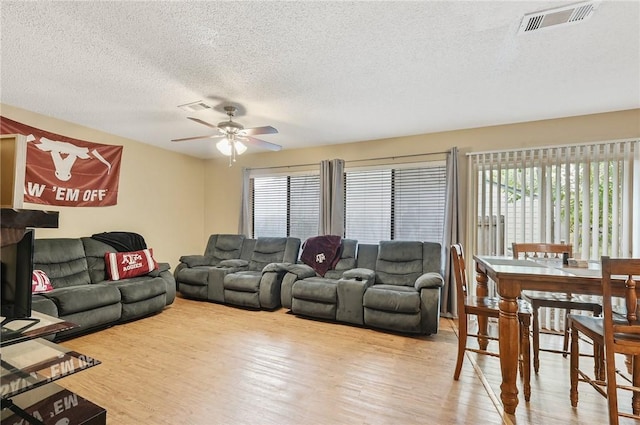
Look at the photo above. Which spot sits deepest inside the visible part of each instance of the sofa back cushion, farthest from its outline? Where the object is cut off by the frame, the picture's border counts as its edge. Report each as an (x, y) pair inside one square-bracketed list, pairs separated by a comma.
[(224, 247), (399, 262), (247, 249), (432, 257), (347, 259), (95, 251), (63, 260), (367, 256), (274, 250)]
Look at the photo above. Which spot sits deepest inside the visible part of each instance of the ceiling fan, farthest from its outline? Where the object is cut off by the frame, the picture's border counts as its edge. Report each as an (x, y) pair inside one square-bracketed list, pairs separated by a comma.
[(234, 136)]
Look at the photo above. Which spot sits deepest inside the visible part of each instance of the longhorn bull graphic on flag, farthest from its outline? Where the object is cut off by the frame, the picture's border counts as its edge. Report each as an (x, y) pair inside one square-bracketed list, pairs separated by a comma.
[(65, 171)]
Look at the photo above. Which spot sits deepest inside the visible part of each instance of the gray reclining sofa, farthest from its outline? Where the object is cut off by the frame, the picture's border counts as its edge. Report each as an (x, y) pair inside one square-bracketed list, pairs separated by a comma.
[(83, 294)]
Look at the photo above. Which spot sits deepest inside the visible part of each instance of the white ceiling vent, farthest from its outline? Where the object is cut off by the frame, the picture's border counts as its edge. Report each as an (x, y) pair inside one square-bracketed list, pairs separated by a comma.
[(195, 106), (561, 15)]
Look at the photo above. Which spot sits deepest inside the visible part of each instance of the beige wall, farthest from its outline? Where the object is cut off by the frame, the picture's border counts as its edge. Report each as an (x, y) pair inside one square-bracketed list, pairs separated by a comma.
[(223, 183), (182, 200), (161, 194)]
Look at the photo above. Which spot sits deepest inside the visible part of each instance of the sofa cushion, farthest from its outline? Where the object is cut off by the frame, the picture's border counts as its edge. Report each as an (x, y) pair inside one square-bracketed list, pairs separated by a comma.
[(400, 299), (94, 251), (63, 260), (316, 289), (140, 288), (267, 250), (399, 262), (224, 247), (243, 281), (74, 299), (195, 276), (122, 265)]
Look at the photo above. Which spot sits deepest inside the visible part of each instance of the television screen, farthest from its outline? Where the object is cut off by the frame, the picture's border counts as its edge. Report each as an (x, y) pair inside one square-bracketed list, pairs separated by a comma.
[(15, 273)]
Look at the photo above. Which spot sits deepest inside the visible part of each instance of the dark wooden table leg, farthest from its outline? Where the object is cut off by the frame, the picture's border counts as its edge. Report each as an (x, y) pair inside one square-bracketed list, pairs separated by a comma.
[(509, 337), (482, 290)]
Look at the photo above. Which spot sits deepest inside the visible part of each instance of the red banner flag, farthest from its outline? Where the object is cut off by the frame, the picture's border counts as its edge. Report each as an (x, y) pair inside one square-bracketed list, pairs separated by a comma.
[(65, 171)]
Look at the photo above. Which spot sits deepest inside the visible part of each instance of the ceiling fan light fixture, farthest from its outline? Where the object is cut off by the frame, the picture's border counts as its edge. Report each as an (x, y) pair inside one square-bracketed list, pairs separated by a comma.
[(224, 146), (240, 148)]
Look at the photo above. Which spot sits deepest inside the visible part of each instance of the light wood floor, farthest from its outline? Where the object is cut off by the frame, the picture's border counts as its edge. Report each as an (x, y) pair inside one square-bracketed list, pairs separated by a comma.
[(199, 363)]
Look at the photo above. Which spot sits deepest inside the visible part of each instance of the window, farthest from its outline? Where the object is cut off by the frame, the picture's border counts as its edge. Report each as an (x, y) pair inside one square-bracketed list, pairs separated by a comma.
[(395, 203), (588, 196), (285, 206), (583, 195)]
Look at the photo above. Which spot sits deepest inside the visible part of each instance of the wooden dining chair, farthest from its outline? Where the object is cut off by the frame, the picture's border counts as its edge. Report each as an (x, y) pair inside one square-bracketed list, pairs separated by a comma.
[(468, 305), (564, 301), (613, 333)]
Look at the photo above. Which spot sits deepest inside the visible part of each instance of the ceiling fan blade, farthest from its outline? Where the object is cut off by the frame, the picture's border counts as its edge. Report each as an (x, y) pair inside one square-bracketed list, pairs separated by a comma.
[(184, 139), (260, 143), (267, 129), (198, 120)]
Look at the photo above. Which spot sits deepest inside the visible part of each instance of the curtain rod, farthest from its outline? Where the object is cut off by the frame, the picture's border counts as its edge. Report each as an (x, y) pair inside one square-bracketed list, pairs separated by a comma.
[(353, 160)]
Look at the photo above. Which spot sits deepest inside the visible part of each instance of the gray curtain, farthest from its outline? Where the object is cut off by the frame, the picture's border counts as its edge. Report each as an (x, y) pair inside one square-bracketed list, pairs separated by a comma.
[(244, 226), (451, 235), (331, 197)]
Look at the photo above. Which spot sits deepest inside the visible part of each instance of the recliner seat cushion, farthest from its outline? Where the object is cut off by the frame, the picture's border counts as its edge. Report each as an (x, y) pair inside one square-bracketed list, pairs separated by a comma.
[(393, 298), (316, 289), (140, 288), (84, 297), (243, 281)]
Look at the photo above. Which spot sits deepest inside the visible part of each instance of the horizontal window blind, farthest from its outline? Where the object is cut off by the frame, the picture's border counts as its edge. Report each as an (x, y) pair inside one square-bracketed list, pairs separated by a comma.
[(269, 201), (419, 201), (304, 206), (395, 203), (285, 206), (368, 205)]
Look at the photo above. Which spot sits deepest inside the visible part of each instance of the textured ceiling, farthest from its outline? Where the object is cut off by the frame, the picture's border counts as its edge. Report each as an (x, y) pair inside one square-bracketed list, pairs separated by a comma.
[(320, 72)]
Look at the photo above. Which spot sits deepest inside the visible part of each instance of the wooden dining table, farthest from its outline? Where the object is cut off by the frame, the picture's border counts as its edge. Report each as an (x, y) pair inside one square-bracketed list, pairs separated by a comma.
[(511, 277)]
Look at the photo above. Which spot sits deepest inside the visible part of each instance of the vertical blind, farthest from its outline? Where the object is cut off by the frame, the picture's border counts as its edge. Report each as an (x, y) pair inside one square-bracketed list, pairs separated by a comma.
[(395, 203), (585, 195)]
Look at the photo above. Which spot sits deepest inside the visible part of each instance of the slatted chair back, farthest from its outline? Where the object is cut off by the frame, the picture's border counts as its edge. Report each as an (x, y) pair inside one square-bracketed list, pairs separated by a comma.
[(460, 272), (620, 335)]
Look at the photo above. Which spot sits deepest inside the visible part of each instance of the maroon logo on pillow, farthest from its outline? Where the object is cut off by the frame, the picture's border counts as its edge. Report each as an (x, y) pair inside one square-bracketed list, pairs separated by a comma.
[(132, 260)]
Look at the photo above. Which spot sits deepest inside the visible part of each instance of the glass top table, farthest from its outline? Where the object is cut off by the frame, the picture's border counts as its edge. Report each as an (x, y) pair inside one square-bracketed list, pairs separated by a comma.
[(36, 362), (36, 326)]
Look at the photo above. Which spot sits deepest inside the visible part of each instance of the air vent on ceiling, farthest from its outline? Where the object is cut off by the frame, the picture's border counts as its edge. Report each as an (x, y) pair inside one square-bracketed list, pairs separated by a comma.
[(561, 15), (195, 106)]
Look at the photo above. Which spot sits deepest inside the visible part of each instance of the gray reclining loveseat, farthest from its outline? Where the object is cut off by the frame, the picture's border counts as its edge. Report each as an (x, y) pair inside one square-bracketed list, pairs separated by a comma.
[(233, 270), (395, 286)]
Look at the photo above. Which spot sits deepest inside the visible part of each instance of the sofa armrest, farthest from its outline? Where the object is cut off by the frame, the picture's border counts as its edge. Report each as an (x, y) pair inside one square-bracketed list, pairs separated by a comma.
[(429, 280), (359, 274), (302, 271), (198, 260), (276, 268), (162, 267), (233, 263)]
